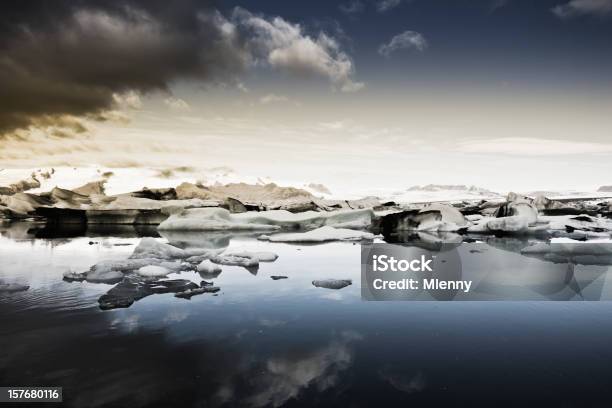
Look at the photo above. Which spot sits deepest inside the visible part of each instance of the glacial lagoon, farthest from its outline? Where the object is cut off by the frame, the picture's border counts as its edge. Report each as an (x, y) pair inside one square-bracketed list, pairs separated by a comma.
[(264, 341)]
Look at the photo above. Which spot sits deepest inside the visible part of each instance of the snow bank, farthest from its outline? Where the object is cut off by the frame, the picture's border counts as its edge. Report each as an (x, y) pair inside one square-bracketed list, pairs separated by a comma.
[(322, 234), (217, 219)]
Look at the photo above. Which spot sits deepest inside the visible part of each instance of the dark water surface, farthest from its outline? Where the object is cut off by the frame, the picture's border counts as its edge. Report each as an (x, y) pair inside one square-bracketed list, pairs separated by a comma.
[(264, 342)]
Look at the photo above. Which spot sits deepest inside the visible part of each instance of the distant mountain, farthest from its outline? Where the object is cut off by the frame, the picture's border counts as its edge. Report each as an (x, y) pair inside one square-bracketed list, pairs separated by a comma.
[(442, 192), (452, 187)]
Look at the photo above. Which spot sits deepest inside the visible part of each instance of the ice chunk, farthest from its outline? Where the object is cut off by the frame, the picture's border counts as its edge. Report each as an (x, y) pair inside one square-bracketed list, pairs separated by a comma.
[(153, 271), (216, 219), (310, 219), (104, 276), (208, 268), (71, 275), (262, 256), (332, 283), (151, 248), (508, 224), (580, 222), (245, 259), (209, 219), (322, 234), (432, 218), (519, 207)]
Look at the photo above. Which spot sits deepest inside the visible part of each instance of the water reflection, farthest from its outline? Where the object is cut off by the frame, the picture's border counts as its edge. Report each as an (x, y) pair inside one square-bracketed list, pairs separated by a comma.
[(265, 342)]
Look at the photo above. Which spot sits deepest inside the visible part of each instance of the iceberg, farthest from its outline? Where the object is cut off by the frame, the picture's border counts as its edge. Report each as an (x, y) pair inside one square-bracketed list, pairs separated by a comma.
[(433, 218), (219, 219), (323, 234), (206, 267)]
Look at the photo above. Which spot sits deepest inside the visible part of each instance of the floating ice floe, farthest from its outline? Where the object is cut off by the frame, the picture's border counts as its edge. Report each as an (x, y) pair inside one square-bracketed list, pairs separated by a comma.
[(262, 256), (149, 252), (332, 283), (208, 268), (153, 271), (323, 234), (216, 219)]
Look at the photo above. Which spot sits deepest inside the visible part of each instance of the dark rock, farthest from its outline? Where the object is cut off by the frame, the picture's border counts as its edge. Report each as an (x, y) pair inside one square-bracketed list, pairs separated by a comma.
[(332, 283), (187, 294), (132, 289), (125, 216), (235, 206), (61, 216), (158, 194), (277, 277)]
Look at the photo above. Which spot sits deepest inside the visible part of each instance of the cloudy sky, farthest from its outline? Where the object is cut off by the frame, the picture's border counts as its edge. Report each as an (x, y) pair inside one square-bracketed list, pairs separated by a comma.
[(505, 94)]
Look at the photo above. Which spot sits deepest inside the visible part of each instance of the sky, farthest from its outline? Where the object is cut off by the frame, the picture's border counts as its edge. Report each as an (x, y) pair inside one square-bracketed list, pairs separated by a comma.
[(357, 94)]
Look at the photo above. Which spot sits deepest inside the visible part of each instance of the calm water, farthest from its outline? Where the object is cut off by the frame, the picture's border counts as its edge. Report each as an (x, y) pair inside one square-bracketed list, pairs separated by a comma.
[(264, 342)]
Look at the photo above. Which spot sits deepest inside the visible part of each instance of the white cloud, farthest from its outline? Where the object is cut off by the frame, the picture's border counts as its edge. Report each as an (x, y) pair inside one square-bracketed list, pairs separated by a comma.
[(177, 103), (533, 147), (128, 99), (405, 40), (386, 5), (242, 87), (576, 8), (273, 98), (286, 47)]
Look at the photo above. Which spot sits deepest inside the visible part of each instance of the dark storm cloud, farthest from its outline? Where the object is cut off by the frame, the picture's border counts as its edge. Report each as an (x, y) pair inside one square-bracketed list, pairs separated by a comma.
[(64, 60)]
